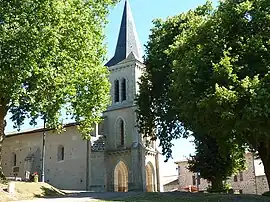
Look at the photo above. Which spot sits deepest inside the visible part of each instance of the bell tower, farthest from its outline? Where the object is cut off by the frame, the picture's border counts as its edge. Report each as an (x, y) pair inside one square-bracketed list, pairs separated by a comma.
[(129, 164)]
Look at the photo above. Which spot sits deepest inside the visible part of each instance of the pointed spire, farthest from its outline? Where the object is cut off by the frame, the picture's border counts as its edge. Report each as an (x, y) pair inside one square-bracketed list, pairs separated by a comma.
[(128, 40)]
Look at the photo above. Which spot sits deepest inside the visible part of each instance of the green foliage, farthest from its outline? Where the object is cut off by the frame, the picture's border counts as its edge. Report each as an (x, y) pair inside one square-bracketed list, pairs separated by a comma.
[(225, 188), (212, 164), (52, 57), (156, 102), (228, 75), (266, 194), (208, 72), (2, 177)]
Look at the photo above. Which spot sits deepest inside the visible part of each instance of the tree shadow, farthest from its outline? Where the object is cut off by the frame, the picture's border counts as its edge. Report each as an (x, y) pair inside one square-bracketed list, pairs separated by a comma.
[(50, 193), (142, 197)]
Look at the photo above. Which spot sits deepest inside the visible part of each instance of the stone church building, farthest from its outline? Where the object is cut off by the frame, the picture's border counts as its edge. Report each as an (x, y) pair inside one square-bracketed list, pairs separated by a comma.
[(117, 157)]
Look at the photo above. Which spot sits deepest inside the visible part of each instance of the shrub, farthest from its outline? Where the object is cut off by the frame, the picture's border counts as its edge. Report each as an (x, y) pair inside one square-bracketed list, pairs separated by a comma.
[(266, 194)]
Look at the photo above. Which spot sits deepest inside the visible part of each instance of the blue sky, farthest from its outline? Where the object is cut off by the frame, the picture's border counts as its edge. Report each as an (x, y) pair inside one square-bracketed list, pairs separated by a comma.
[(144, 11)]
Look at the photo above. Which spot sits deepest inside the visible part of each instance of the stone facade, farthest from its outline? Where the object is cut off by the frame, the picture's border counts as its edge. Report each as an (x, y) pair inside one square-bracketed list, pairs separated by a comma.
[(171, 186), (117, 158), (245, 182), (66, 173), (186, 178), (262, 185), (79, 168)]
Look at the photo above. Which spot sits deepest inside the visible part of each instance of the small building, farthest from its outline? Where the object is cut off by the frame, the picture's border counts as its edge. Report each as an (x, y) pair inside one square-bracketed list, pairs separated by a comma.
[(246, 182), (170, 183)]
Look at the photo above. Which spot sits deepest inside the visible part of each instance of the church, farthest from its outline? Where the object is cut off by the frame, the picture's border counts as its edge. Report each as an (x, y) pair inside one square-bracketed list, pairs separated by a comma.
[(117, 158)]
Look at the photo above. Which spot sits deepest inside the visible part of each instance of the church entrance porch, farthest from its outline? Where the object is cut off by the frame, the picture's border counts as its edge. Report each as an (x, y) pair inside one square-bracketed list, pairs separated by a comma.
[(121, 177), (150, 178)]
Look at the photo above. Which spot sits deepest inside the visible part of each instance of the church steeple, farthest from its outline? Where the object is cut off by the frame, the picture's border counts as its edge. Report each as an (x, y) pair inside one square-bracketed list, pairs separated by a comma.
[(128, 40)]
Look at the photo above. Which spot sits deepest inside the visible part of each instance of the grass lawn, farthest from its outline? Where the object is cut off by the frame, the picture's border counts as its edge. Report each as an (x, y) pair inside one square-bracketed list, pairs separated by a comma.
[(195, 197), (28, 190)]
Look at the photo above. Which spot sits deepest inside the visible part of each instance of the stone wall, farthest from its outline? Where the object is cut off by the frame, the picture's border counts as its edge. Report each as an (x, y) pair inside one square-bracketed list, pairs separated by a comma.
[(69, 173), (262, 185), (246, 183), (186, 177), (97, 172), (171, 186), (151, 175), (112, 131), (111, 161)]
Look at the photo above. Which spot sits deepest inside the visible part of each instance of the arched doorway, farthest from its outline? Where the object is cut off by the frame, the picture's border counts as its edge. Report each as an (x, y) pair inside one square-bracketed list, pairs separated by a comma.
[(150, 178), (121, 177)]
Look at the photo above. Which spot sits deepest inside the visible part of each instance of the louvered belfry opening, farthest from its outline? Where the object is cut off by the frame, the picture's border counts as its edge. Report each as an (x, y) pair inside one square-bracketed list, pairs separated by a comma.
[(123, 90), (122, 133), (116, 91)]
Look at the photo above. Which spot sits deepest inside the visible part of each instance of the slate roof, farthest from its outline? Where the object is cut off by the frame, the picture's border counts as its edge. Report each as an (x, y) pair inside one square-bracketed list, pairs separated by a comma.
[(128, 40)]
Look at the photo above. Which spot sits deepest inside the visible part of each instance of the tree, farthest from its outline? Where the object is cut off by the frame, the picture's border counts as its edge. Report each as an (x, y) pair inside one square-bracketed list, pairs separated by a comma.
[(213, 165), (51, 59), (220, 75), (156, 106)]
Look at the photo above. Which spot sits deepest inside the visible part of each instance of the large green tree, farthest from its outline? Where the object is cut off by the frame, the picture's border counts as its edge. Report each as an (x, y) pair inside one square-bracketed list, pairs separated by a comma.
[(156, 102), (213, 163), (215, 73), (51, 59)]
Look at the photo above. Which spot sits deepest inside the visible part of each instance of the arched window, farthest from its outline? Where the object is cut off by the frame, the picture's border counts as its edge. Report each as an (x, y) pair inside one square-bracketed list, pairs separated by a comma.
[(235, 178), (122, 133), (193, 179), (61, 153), (123, 90), (241, 176), (116, 91), (14, 159)]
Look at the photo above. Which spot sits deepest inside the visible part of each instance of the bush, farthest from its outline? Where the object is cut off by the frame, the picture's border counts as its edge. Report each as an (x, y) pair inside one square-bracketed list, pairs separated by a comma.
[(266, 194), (5, 182), (2, 176), (225, 189)]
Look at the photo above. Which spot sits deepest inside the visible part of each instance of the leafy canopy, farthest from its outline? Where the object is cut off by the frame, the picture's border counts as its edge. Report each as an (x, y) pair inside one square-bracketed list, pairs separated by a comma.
[(51, 58), (213, 165), (156, 101), (208, 72)]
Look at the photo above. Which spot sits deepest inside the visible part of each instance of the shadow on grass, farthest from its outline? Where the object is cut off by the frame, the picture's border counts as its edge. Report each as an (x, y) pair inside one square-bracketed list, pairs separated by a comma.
[(104, 196), (143, 197), (192, 197), (50, 193)]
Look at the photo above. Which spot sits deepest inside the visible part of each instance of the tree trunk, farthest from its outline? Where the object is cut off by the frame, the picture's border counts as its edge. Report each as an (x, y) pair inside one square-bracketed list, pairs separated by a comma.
[(264, 154), (217, 185), (3, 113)]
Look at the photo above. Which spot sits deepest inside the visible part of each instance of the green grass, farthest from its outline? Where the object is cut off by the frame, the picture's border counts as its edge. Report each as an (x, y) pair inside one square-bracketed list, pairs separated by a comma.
[(198, 197), (29, 190)]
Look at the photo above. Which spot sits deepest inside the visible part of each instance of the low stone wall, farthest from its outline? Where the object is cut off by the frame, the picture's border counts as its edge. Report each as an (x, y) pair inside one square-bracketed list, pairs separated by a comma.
[(171, 186)]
